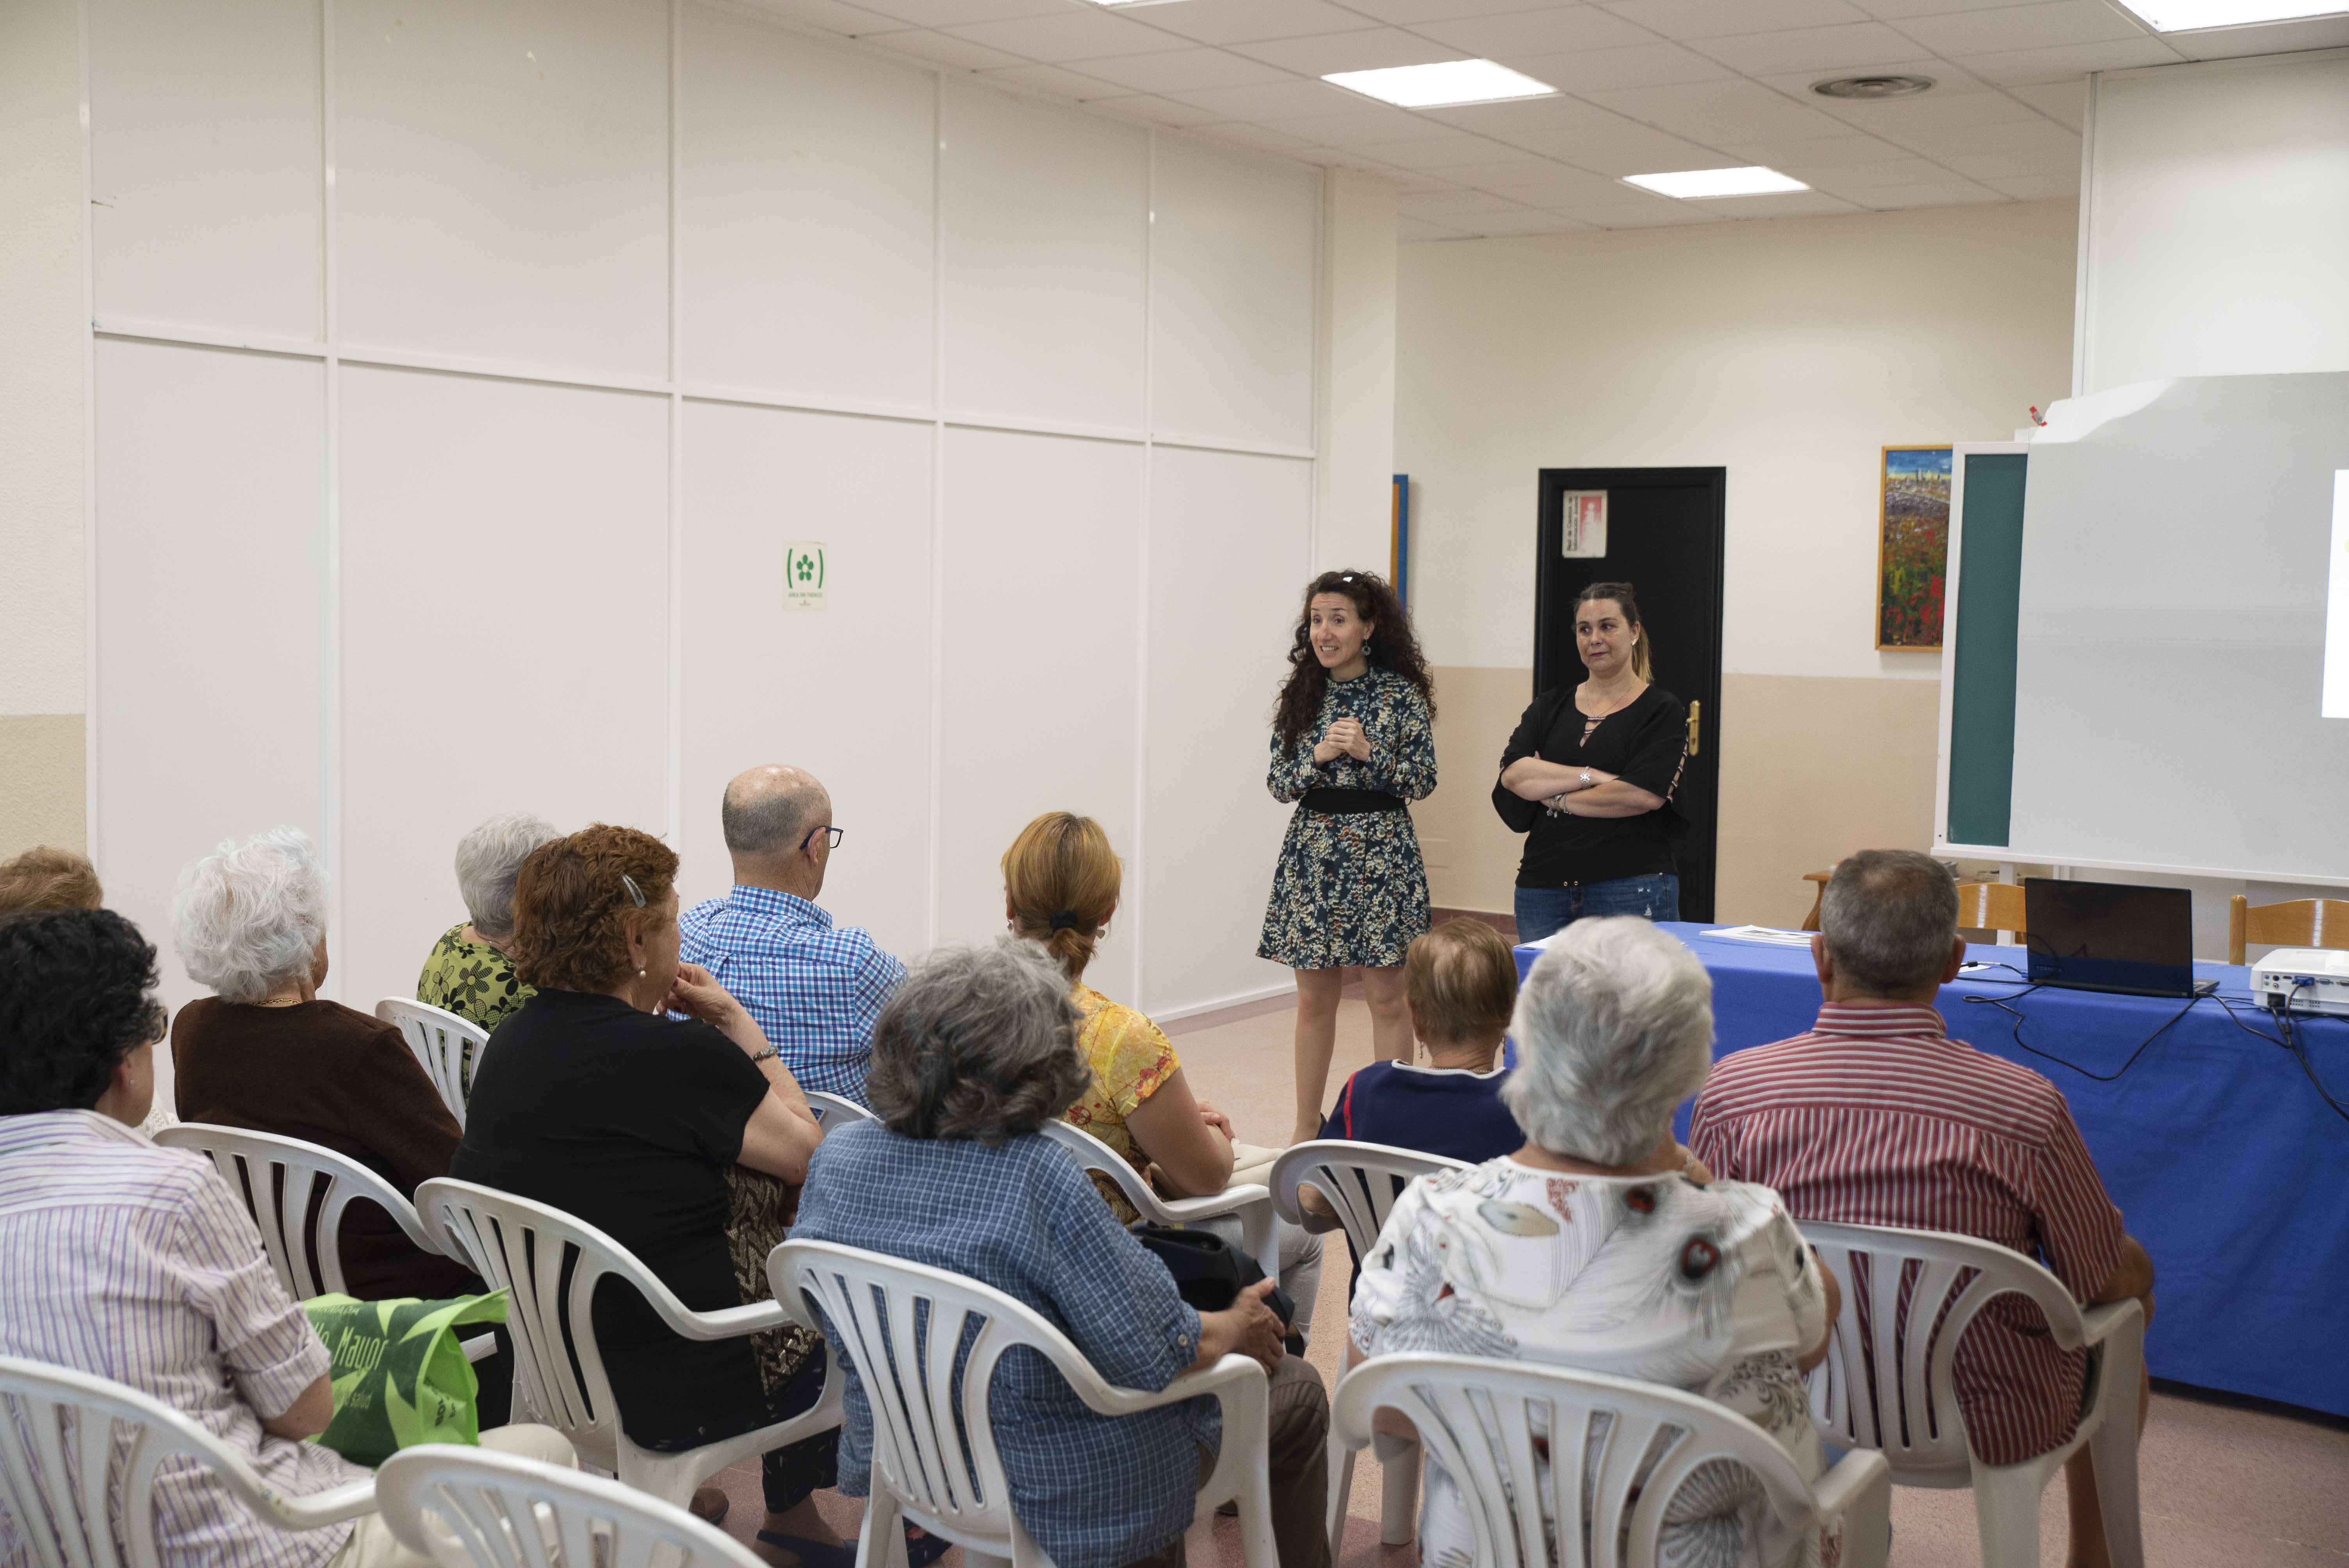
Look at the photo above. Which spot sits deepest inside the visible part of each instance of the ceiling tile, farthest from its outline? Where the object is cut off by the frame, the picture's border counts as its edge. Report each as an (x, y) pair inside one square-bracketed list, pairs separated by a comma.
[(2034, 135), (1897, 119), (1369, 125), (1052, 79), (1948, 77), (1372, 50), (1412, 231), (1711, 111), (1410, 13), (849, 21), (1849, 46), (2267, 38), (1898, 10), (1992, 167), (1090, 34), (1245, 21), (1503, 168), (1547, 32), (1256, 136), (1530, 221), (1817, 153), (956, 13), (1952, 193), (2068, 61), (1965, 33), (944, 50), (1660, 213), (1417, 179), (1558, 188), (1526, 114), (2066, 103), (1781, 204), (1719, 18), (1275, 101), (1641, 66), (1154, 110), (1182, 70), (1666, 155), (2039, 187), (1430, 154), (1875, 176)]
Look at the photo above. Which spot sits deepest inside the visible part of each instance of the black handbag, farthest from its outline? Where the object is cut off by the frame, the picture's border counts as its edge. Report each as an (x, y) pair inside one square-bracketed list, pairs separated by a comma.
[(1209, 1273)]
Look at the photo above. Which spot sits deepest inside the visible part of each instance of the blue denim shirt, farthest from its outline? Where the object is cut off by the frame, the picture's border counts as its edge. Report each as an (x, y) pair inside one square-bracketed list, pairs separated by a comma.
[(1096, 1491)]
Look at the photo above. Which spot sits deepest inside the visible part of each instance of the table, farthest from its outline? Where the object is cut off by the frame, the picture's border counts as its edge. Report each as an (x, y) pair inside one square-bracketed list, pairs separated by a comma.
[(2224, 1160)]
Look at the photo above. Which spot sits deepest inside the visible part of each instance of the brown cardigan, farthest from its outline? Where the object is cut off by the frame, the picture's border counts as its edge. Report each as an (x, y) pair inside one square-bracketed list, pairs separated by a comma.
[(327, 1073)]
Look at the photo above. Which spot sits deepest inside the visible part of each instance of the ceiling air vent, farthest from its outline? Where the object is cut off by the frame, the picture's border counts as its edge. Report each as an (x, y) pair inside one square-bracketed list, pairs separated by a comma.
[(1870, 89)]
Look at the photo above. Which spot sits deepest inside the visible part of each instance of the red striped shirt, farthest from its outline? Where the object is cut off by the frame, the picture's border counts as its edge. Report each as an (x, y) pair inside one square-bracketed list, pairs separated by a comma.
[(1877, 1117)]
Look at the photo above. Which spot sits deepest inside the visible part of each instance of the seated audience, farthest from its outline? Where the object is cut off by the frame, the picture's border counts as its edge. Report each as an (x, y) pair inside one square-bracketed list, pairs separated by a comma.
[(139, 1264), (594, 1099), (1594, 1247), (1877, 1117), (43, 878), (470, 971), (813, 987), (973, 1053), (268, 1055), (1061, 883)]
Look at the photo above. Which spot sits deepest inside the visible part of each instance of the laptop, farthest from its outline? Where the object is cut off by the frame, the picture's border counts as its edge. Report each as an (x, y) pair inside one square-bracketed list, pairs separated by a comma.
[(2112, 936)]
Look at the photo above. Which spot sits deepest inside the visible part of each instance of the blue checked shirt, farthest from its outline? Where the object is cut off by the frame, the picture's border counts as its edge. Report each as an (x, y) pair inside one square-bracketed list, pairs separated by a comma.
[(813, 987), (1095, 1491)]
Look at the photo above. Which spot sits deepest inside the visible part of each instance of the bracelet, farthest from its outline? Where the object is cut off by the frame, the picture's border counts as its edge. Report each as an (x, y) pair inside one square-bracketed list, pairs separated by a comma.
[(758, 1057)]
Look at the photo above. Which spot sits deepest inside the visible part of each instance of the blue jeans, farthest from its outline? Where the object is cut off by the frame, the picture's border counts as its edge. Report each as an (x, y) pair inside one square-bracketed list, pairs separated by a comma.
[(1542, 910)]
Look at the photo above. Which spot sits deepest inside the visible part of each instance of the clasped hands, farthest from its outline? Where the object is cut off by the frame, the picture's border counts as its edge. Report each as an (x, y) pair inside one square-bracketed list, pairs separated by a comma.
[(1345, 738)]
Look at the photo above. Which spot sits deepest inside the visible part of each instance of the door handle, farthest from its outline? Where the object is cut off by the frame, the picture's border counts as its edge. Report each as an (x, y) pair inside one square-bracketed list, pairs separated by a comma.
[(1695, 728)]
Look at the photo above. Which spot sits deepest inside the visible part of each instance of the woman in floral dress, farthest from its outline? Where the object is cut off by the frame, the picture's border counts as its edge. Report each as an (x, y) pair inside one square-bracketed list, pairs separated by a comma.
[(1352, 744)]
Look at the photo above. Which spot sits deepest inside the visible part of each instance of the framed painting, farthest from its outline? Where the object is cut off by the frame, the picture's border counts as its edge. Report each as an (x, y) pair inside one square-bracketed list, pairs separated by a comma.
[(1913, 547)]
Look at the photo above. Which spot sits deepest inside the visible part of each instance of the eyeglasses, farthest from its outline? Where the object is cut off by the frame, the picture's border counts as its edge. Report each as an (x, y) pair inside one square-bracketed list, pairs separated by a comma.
[(833, 843)]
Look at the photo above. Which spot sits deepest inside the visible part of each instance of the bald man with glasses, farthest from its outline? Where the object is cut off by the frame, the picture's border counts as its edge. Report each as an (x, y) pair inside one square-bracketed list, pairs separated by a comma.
[(815, 987)]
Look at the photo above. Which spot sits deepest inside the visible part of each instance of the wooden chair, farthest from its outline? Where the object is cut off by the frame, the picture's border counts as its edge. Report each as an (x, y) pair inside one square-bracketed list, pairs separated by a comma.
[(1991, 906), (2297, 923), (1818, 897)]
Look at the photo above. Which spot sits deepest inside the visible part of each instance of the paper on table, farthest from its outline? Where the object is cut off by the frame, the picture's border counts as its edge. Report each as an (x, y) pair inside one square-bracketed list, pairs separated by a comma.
[(1774, 935)]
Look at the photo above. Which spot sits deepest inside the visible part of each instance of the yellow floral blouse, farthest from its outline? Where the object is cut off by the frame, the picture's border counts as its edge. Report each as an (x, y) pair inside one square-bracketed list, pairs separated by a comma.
[(1131, 1058)]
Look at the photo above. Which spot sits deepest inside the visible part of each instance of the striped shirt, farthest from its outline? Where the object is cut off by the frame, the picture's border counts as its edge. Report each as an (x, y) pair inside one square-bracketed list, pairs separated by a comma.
[(815, 987), (1877, 1117), (136, 1264)]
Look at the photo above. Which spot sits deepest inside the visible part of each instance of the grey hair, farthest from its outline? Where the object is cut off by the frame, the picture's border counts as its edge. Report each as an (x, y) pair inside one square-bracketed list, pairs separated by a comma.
[(1614, 1028), (247, 919), (978, 1042), (1890, 919), (487, 861), (772, 819)]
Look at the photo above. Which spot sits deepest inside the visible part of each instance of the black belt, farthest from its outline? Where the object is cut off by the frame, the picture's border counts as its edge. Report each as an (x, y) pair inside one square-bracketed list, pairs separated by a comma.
[(1348, 802)]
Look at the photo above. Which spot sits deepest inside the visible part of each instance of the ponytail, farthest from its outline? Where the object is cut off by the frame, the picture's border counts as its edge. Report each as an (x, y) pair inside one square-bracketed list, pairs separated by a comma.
[(1620, 594), (1060, 881)]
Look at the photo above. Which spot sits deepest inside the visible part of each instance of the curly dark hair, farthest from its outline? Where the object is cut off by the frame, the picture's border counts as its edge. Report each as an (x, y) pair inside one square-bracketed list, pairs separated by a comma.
[(572, 912), (77, 997), (978, 1042), (1392, 646)]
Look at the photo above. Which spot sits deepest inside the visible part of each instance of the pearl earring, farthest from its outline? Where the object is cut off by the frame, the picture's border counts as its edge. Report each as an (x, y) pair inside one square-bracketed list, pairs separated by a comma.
[(640, 974)]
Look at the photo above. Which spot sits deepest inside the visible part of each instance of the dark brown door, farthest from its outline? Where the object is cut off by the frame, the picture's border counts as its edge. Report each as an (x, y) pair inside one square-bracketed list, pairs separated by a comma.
[(1664, 538)]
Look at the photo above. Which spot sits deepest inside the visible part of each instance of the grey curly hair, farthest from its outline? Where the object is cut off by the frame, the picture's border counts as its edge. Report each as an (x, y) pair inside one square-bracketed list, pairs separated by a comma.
[(247, 919), (488, 858), (978, 1042)]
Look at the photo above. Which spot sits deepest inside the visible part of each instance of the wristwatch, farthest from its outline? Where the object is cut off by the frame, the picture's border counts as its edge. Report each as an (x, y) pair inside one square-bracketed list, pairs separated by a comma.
[(1586, 778)]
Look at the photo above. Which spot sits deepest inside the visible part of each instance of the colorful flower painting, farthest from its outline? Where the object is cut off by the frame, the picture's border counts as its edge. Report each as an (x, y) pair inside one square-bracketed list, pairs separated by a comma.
[(1912, 552)]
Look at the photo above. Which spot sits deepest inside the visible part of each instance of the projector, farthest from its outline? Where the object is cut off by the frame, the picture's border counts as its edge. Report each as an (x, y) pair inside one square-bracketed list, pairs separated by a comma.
[(2311, 979)]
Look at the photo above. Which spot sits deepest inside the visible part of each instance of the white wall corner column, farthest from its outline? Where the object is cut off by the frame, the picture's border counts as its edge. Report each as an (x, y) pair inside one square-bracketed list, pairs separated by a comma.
[(1355, 405)]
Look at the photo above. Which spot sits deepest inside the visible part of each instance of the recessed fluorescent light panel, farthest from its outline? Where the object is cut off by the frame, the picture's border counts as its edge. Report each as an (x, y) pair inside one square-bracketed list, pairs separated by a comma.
[(2185, 15), (1444, 83), (1694, 184)]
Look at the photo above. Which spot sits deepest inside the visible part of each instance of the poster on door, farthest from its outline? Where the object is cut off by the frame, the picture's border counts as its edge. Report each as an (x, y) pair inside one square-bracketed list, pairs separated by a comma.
[(1584, 537)]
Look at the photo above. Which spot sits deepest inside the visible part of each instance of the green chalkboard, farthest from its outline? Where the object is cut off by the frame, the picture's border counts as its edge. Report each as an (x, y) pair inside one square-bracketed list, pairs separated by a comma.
[(1981, 672)]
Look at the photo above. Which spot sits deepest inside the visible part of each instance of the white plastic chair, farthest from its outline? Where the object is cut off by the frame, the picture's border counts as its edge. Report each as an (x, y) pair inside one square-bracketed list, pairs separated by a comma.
[(1908, 1410), (1603, 1489), (559, 1378), (442, 1041), (835, 1111), (1361, 1183), (1249, 1199), (467, 1507), (906, 1364), (78, 1459)]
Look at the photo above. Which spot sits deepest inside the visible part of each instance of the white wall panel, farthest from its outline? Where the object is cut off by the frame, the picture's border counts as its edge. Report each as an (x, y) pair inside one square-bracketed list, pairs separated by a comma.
[(843, 691), (1230, 551), (1042, 595), (504, 635), (207, 694), (1231, 282), (206, 202), (806, 205), (503, 172), (1046, 238)]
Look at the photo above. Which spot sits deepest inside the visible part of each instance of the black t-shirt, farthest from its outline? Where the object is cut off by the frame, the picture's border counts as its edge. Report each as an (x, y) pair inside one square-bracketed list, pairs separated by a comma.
[(1642, 744), (628, 1121)]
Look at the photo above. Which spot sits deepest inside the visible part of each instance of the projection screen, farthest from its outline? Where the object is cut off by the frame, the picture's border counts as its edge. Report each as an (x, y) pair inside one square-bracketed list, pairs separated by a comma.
[(2182, 646)]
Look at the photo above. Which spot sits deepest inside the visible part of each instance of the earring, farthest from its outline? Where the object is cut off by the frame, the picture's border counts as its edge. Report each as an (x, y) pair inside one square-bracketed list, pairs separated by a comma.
[(640, 974)]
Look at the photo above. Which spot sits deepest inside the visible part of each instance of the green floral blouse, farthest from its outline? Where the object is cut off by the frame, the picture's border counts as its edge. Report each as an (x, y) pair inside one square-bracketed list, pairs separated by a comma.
[(471, 979)]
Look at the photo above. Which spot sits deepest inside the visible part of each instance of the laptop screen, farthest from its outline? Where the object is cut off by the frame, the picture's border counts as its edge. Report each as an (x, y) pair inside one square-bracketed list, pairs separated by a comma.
[(2110, 937)]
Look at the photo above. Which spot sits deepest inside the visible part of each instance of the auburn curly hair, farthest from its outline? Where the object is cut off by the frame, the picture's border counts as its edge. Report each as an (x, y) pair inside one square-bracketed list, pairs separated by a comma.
[(572, 913), (1392, 646), (77, 997)]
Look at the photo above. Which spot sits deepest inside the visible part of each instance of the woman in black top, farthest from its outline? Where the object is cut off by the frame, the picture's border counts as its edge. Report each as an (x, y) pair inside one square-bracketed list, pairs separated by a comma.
[(1589, 776)]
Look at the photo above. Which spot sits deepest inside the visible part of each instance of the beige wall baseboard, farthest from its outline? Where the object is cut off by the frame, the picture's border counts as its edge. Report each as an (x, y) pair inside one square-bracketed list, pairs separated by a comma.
[(42, 769)]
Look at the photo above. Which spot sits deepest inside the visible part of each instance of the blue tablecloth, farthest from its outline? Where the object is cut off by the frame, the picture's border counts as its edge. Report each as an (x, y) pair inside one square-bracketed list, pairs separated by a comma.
[(2225, 1162)]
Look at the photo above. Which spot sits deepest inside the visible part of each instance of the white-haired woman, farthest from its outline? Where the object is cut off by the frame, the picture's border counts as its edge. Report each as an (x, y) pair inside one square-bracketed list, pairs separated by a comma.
[(471, 970), (1601, 1246), (265, 1053)]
